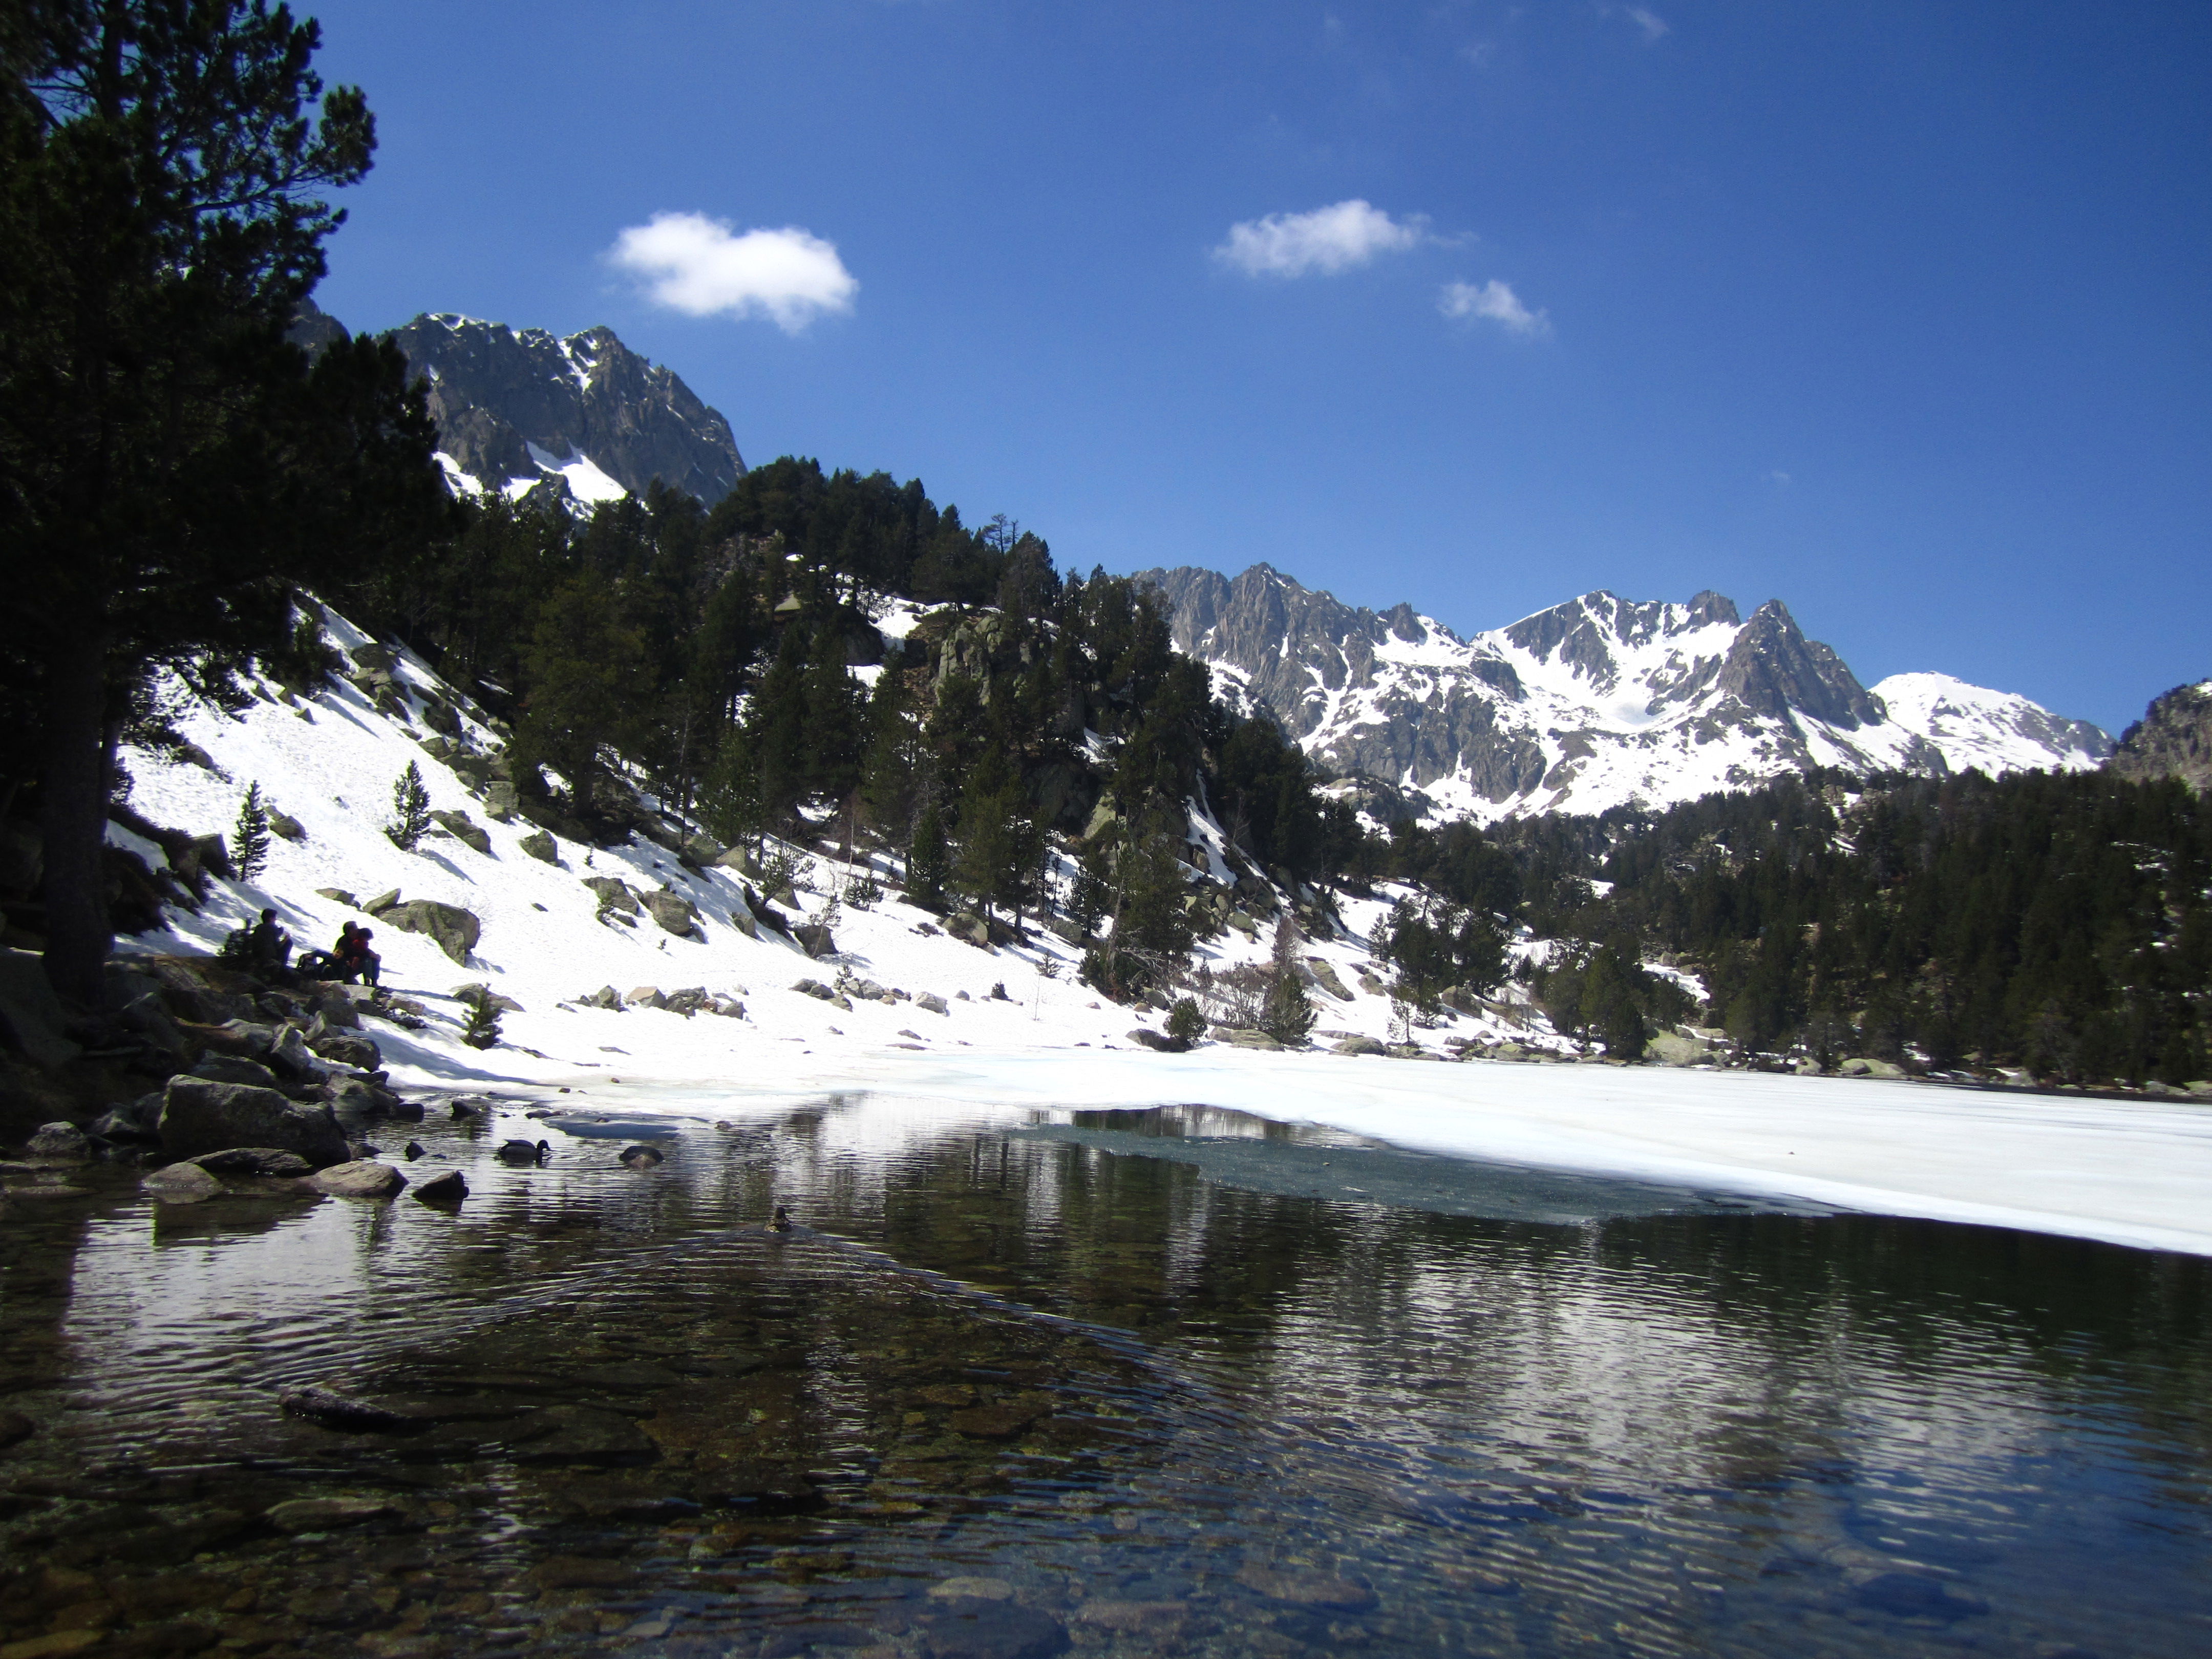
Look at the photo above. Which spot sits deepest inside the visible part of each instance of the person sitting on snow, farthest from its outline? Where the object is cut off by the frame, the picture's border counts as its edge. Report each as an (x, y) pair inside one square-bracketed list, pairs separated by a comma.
[(352, 957), (268, 946)]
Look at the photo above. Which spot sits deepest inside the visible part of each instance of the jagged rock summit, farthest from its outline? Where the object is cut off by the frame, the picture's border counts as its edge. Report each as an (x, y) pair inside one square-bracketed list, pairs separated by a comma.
[(515, 404), (584, 417), (1597, 702), (2173, 739)]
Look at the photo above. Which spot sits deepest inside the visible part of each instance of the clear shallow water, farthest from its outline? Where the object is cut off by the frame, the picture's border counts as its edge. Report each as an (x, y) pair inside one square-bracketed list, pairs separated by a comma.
[(1128, 1384)]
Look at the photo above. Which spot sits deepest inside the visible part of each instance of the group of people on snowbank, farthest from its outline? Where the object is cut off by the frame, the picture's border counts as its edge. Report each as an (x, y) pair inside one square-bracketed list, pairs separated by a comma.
[(267, 948)]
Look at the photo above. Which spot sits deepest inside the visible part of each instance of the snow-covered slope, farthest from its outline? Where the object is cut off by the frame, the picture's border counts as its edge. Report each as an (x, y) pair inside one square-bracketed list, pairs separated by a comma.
[(1598, 702), (1994, 731), (330, 762)]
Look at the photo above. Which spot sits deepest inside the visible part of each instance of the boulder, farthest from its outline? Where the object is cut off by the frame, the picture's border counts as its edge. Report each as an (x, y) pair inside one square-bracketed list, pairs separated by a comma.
[(815, 988), (339, 895), (676, 914), (181, 1183), (286, 827), (344, 1049), (1670, 1048), (502, 802), (1159, 1041), (441, 718), (464, 829), (605, 997), (1358, 1045), (704, 849), (1324, 975), (612, 894), (447, 1188), (540, 844), (643, 996), (1864, 1065), (149, 1016), (969, 926), (816, 939), (455, 930), (477, 991), (382, 901), (31, 1015), (1247, 1039), (273, 1161), (362, 1178), (59, 1143), (1242, 921), (931, 1002), (200, 1115), (300, 1515), (739, 859)]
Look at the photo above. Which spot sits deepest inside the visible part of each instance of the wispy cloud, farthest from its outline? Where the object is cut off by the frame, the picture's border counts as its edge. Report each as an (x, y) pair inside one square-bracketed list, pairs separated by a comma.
[(701, 267), (1328, 239), (1496, 302), (1653, 25)]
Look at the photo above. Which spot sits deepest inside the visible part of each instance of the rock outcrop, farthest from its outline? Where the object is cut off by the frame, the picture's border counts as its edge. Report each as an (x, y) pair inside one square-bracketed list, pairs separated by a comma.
[(2173, 739), (586, 413)]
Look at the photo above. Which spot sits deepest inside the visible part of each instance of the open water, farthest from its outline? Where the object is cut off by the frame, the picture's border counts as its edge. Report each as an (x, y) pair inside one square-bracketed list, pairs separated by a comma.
[(1131, 1384)]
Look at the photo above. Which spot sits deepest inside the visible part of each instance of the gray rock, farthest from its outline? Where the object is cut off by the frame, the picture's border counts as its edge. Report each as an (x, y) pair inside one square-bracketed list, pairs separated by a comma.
[(149, 1016), (1324, 975), (1248, 1039), (286, 827), (1863, 1065), (447, 1188), (540, 844), (1159, 1041), (361, 1178), (704, 850), (612, 894), (605, 997), (464, 829), (815, 988), (2173, 739), (200, 1116), (1671, 1048), (59, 1143), (269, 1161), (344, 1050), (382, 901), (478, 992), (502, 803), (816, 939), (1358, 1045), (455, 930), (300, 1515), (181, 1183), (121, 1124), (1308, 1589), (930, 1002), (675, 914), (31, 1015), (644, 996)]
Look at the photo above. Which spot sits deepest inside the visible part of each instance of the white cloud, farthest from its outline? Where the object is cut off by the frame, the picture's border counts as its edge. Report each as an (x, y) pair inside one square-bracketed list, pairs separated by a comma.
[(1328, 239), (1496, 300), (1650, 22), (697, 265)]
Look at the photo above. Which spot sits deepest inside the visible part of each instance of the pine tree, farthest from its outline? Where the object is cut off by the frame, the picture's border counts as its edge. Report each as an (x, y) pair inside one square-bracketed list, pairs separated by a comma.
[(249, 839), (1288, 1014), (928, 862), (481, 1029), (411, 804), (170, 465)]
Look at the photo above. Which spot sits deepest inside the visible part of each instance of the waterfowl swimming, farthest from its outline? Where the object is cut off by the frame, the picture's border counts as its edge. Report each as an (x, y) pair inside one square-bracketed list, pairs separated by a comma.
[(782, 1221), (521, 1151)]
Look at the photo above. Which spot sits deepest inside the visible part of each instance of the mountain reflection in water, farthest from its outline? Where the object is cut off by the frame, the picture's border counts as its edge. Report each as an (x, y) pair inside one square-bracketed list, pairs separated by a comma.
[(1035, 1386)]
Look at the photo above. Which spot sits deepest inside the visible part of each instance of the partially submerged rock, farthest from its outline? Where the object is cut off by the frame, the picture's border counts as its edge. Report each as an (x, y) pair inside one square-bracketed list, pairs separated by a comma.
[(447, 1188), (200, 1115), (362, 1178)]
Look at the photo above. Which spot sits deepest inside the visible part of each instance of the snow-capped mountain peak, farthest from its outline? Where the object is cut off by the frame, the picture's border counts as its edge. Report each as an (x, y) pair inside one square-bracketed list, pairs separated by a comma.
[(1599, 701)]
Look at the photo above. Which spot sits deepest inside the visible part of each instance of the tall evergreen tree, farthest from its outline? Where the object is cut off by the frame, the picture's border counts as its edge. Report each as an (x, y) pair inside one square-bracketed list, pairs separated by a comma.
[(169, 465), (249, 837)]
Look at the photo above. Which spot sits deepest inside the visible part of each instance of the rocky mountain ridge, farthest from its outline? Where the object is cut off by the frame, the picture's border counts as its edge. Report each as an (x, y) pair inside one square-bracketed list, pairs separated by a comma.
[(582, 417), (1597, 702), (2173, 739)]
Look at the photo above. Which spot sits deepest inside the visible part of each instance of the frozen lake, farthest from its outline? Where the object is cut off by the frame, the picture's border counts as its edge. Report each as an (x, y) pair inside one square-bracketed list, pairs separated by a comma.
[(1129, 1381)]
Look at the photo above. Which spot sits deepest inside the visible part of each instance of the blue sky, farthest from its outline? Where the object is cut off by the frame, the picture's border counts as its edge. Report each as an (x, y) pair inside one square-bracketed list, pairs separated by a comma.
[(1900, 313)]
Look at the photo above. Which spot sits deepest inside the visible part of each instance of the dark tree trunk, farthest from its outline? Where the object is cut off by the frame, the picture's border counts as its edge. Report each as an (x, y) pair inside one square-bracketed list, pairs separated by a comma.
[(73, 791)]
